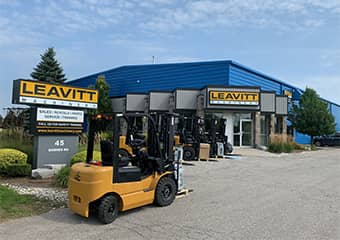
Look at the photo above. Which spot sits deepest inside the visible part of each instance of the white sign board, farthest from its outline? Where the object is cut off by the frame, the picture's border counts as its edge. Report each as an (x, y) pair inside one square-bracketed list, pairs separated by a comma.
[(60, 115)]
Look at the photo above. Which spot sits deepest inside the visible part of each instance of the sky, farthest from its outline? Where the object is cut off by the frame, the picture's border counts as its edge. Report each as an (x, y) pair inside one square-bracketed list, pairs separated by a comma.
[(295, 41)]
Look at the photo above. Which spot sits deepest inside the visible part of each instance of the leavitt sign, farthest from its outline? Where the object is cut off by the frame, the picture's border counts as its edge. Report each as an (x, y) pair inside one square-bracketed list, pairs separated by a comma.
[(41, 93), (234, 98)]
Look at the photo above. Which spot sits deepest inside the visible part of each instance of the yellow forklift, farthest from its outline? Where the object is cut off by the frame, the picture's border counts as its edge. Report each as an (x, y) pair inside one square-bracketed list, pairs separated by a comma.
[(190, 130), (121, 183)]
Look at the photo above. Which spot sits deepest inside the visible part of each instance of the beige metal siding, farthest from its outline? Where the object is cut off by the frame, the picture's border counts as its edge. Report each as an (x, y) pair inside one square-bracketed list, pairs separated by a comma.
[(281, 105), (267, 102)]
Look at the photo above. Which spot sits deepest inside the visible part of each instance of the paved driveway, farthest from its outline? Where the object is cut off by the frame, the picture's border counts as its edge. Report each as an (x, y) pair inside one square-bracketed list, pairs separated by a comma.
[(260, 196)]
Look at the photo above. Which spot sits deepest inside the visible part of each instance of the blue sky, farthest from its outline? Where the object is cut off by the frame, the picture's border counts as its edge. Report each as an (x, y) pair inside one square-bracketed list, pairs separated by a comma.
[(295, 41)]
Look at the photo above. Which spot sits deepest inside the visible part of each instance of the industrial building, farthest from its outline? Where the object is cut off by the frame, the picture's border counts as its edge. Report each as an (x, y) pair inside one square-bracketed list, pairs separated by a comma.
[(254, 104)]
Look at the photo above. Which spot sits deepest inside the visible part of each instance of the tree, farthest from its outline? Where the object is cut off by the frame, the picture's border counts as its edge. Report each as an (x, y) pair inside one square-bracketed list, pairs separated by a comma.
[(1, 119), (24, 118), (11, 119), (104, 101), (311, 116), (49, 70)]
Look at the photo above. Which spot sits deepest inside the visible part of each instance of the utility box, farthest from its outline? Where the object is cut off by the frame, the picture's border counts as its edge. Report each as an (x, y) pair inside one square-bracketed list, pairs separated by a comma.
[(204, 151)]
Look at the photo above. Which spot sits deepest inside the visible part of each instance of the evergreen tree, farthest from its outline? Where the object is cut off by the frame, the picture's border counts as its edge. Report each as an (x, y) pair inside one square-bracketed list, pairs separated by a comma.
[(104, 101), (1, 119), (49, 70), (311, 116), (10, 120)]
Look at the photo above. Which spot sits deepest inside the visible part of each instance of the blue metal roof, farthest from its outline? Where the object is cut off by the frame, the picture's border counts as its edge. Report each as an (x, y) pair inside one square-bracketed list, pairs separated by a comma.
[(168, 76)]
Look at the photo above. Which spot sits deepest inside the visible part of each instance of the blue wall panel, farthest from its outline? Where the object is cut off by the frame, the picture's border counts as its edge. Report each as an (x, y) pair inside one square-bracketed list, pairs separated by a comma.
[(241, 77), (301, 138), (335, 110), (115, 89), (143, 78), (171, 76)]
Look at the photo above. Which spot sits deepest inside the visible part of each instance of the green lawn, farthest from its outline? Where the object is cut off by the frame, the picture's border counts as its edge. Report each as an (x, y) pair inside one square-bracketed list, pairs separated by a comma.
[(14, 205)]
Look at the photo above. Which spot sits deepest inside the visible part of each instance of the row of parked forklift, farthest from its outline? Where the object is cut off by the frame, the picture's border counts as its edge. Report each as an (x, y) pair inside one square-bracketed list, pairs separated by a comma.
[(141, 162), (193, 131), (190, 132)]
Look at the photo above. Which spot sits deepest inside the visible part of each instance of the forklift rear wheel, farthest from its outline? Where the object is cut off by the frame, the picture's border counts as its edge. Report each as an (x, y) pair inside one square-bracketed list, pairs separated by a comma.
[(108, 209), (165, 191), (188, 153)]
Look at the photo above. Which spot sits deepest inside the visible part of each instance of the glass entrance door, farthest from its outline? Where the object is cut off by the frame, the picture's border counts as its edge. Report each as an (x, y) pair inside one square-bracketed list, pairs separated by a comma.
[(246, 132), (243, 130)]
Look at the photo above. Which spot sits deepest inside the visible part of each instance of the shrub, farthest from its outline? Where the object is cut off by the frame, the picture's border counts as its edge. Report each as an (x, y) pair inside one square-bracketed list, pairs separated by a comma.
[(81, 157), (62, 176), (275, 147), (19, 170), (11, 156), (288, 147), (279, 147), (21, 143)]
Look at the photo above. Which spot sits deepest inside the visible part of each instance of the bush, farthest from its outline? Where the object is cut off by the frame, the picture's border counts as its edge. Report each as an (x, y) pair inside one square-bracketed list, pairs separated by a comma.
[(62, 177), (19, 170), (81, 157), (279, 147), (23, 144), (10, 156), (288, 147), (275, 147)]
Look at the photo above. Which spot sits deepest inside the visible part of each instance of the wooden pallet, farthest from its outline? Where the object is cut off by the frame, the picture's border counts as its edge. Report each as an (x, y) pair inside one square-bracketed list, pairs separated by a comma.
[(209, 160), (187, 163), (183, 193)]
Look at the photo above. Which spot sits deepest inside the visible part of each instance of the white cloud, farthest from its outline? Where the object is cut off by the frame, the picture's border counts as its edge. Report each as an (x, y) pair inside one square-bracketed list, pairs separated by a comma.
[(282, 15), (323, 85), (62, 18)]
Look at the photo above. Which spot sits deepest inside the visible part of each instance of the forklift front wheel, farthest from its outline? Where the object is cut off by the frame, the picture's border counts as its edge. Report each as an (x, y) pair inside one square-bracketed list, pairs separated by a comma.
[(165, 191), (108, 209)]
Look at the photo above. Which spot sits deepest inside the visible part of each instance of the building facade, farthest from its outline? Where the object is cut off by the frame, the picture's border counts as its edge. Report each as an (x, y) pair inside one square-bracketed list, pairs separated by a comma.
[(247, 124)]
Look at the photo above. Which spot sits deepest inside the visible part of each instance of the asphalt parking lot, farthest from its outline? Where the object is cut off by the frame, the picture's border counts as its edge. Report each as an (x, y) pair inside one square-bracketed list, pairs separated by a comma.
[(259, 196)]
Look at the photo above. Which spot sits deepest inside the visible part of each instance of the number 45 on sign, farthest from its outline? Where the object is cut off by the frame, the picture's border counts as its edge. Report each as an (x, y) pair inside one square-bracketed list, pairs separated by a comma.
[(59, 143)]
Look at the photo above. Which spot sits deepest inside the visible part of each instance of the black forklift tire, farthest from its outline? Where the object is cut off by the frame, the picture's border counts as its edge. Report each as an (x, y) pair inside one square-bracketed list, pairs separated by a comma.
[(123, 153), (188, 153), (228, 148), (108, 209), (165, 191)]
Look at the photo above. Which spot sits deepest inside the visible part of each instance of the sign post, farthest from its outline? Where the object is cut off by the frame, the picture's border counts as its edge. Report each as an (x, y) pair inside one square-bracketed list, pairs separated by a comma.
[(57, 117)]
